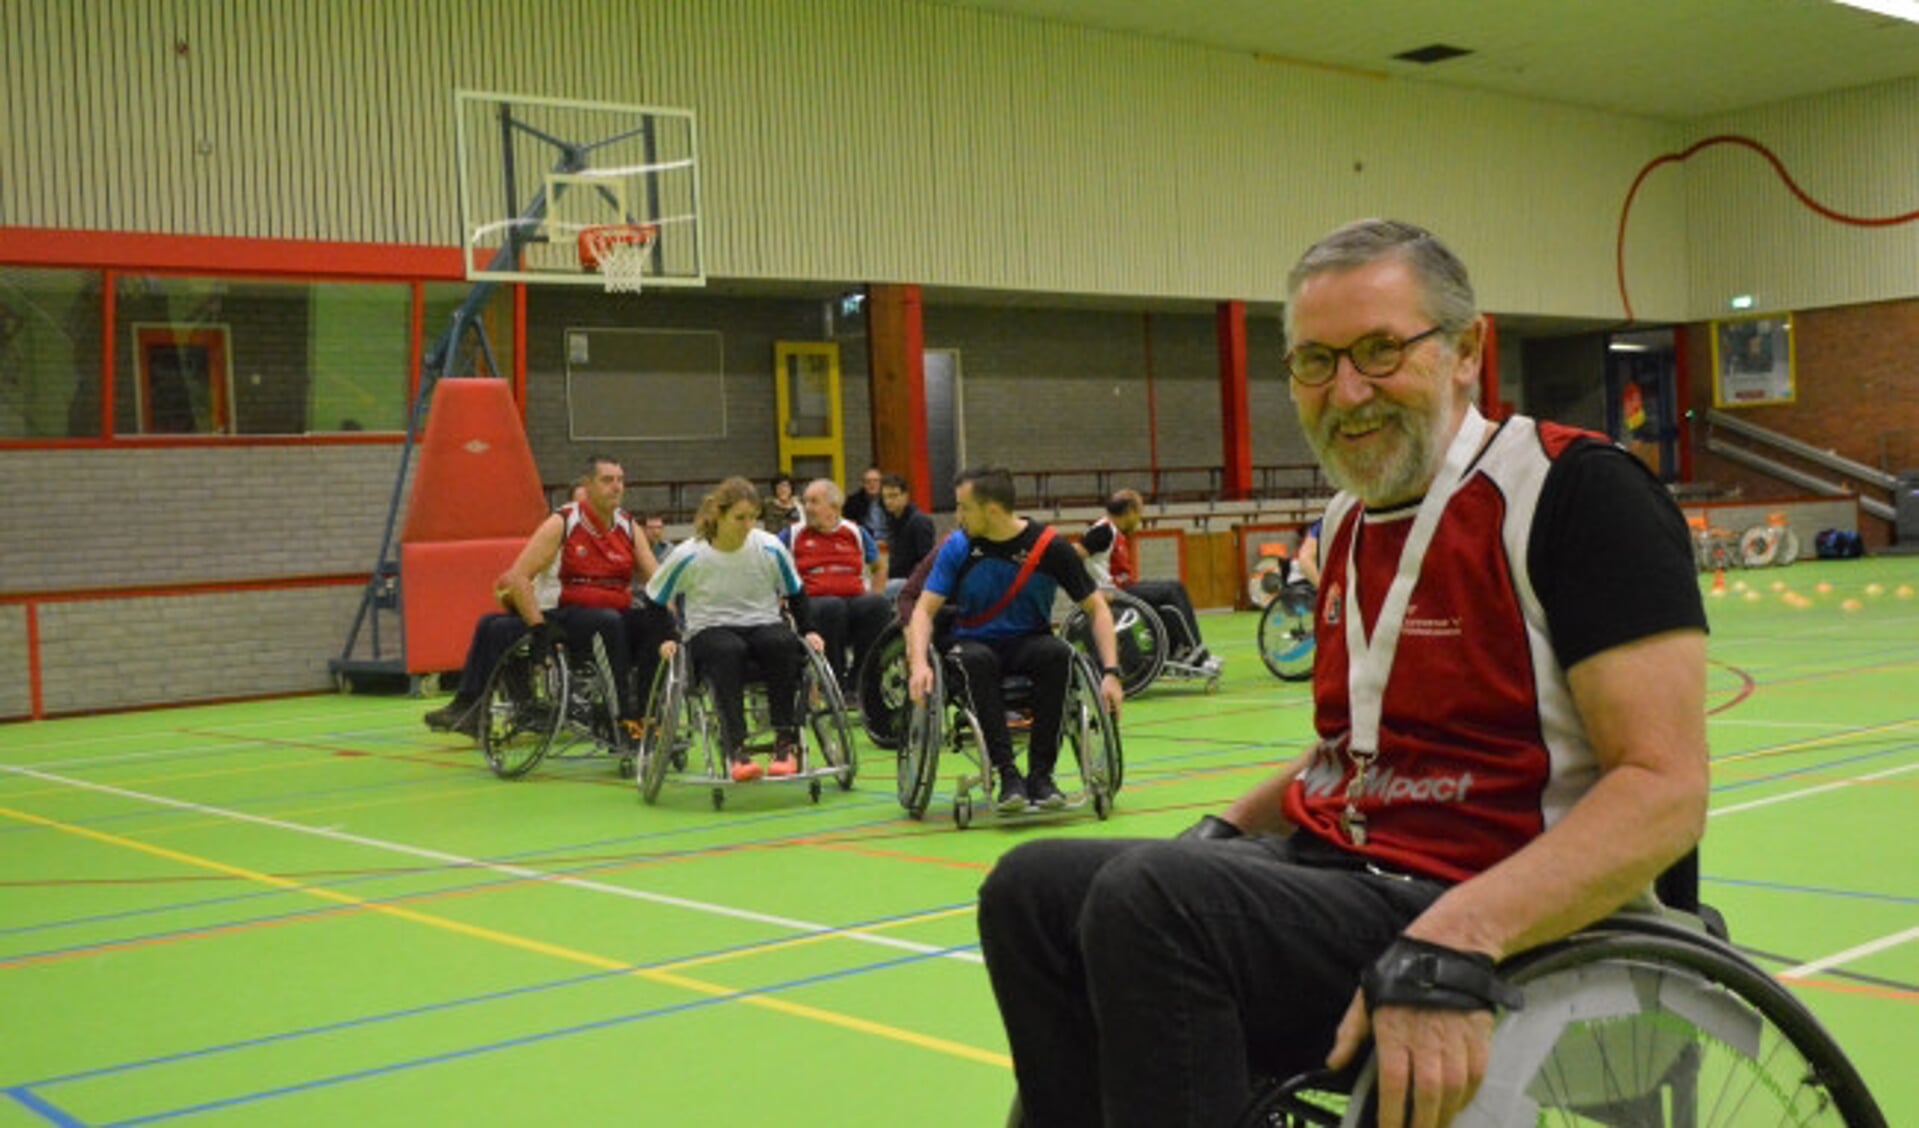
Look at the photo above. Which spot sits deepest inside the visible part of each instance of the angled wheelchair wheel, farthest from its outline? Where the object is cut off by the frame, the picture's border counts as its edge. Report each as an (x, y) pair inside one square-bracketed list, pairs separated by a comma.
[(881, 685), (1647, 1023), (919, 750), (524, 708), (1094, 737), (1286, 633), (825, 713), (1139, 632), (666, 707)]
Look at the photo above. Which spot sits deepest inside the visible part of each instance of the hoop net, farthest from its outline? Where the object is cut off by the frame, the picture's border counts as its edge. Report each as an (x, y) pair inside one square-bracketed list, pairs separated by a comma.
[(618, 252)]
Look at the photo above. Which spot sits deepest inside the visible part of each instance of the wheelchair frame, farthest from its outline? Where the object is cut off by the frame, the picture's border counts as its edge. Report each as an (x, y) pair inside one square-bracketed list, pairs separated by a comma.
[(1286, 640), (881, 685), (678, 704), (929, 729), (1145, 644), (550, 711)]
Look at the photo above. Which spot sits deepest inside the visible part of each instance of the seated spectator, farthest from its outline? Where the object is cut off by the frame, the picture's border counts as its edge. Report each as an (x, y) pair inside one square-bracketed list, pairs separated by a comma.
[(1110, 560), (654, 526), (779, 511), (866, 509), (839, 567), (911, 536), (729, 581)]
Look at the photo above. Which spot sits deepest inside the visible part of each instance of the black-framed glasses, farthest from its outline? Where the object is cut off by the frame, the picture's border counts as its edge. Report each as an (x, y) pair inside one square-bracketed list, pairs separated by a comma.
[(1376, 355)]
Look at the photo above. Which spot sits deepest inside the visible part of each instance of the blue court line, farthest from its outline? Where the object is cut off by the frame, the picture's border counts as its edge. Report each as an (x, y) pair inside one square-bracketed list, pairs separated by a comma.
[(428, 868), (398, 898), (454, 1004), (41, 1107), (529, 1039), (1824, 765), (1820, 891)]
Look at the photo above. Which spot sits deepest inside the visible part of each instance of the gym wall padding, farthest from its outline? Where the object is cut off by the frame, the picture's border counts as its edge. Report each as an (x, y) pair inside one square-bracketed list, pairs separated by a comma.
[(476, 498)]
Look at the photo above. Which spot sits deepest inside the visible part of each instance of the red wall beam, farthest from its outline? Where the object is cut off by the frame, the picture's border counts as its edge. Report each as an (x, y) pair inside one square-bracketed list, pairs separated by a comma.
[(1236, 481), (219, 254)]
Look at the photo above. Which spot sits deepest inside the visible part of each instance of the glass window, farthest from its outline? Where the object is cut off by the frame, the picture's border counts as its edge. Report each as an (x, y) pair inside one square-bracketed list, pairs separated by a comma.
[(217, 356), (49, 353), (443, 300)]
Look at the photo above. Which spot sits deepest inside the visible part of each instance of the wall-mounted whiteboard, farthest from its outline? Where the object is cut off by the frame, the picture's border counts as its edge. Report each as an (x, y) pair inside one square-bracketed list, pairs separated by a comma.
[(645, 384)]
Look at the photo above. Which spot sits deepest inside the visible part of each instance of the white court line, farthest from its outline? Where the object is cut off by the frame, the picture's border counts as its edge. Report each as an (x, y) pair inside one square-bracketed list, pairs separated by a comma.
[(234, 728), (1850, 954), (804, 926), (1837, 728), (1803, 792)]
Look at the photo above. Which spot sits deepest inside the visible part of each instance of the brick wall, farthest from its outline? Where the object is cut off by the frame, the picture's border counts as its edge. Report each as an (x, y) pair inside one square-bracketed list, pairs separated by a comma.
[(15, 688), (1857, 394)]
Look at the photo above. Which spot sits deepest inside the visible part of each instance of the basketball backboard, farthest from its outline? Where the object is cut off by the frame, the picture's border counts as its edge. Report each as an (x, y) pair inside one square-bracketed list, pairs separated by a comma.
[(536, 173)]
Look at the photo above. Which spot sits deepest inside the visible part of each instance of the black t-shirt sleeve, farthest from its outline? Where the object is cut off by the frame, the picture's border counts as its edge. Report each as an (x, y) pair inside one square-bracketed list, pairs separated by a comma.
[(1067, 569), (1097, 539), (1610, 554)]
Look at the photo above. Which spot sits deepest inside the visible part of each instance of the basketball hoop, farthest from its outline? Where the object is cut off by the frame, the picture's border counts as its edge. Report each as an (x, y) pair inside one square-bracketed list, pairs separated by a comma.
[(618, 252)]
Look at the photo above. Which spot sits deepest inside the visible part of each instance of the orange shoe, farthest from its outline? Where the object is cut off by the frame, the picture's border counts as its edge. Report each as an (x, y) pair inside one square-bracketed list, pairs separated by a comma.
[(745, 770), (786, 757)]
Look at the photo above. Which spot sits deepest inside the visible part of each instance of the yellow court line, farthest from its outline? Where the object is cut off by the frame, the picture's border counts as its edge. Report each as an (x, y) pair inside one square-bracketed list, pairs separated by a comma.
[(524, 943), (1812, 742), (476, 788)]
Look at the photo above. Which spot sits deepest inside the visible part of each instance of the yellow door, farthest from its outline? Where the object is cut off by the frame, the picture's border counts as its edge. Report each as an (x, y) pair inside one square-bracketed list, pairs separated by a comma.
[(807, 374)]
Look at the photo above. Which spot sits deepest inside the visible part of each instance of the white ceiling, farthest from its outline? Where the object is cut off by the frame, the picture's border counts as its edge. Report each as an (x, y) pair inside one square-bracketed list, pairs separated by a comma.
[(1674, 59)]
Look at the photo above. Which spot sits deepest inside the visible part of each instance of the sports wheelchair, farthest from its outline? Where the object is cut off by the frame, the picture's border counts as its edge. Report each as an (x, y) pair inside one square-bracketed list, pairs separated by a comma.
[(1145, 644), (945, 722), (554, 707), (1647, 1018), (1286, 631), (684, 716), (881, 686)]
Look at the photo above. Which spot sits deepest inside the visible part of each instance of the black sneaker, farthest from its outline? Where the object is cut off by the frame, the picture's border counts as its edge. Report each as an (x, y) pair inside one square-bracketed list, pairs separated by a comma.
[(447, 717), (1043, 793), (1012, 794)]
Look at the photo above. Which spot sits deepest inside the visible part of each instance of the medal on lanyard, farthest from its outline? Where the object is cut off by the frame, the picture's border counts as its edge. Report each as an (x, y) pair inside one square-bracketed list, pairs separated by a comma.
[(1370, 661)]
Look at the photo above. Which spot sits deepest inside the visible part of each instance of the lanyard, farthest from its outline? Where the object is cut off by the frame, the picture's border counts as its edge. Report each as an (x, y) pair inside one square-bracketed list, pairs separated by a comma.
[(1370, 662)]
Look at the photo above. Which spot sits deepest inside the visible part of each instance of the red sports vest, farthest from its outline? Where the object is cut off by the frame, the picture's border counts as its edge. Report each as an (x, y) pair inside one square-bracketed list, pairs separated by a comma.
[(596, 565), (830, 563)]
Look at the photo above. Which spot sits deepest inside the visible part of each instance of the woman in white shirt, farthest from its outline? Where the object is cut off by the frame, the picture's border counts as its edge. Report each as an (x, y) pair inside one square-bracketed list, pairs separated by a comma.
[(729, 580)]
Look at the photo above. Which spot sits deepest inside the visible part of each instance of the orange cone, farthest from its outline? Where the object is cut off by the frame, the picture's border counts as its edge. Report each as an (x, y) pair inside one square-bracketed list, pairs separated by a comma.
[(1719, 580)]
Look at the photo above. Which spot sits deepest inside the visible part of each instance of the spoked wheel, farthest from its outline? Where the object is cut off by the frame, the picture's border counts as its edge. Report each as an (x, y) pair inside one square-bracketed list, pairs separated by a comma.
[(524, 707), (1094, 737), (882, 687), (659, 748), (1286, 633), (1140, 634), (919, 750), (826, 717)]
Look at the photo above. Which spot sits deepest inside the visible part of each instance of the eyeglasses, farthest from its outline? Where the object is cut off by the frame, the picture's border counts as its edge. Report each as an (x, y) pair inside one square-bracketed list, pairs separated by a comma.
[(1376, 355)]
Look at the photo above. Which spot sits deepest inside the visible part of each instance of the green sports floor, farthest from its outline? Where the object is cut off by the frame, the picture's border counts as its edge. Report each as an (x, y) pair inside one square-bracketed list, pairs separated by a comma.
[(313, 911)]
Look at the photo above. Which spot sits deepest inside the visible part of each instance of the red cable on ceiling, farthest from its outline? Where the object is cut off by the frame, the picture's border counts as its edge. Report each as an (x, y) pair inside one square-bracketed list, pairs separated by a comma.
[(1778, 166)]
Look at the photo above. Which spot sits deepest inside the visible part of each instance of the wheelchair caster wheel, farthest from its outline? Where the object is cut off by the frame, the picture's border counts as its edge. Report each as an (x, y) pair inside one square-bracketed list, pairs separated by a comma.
[(813, 791), (962, 813), (628, 768), (1102, 804), (719, 798)]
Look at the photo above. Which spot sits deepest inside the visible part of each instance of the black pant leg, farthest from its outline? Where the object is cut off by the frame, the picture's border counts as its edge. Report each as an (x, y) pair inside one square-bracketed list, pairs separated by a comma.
[(1046, 660), (1175, 606), (780, 655), (493, 635), (581, 625), (647, 626), (719, 658), (867, 616), (828, 616), (980, 667)]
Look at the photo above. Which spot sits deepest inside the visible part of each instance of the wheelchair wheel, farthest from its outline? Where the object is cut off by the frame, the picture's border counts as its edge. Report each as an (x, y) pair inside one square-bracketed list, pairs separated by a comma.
[(1140, 634), (1094, 737), (1286, 633), (919, 750), (665, 706), (525, 705), (1758, 546), (1647, 1023), (882, 687), (825, 712)]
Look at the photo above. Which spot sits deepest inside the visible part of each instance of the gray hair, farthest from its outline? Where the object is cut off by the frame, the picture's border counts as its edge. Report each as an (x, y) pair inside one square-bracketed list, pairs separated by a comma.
[(1447, 291), (831, 488)]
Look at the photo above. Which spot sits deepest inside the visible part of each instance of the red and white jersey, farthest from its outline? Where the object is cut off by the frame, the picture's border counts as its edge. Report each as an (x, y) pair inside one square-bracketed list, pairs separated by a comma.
[(831, 563), (1111, 566), (596, 565), (1480, 746)]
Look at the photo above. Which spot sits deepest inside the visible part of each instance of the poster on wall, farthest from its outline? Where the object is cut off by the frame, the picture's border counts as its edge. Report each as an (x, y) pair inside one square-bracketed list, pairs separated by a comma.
[(1752, 361)]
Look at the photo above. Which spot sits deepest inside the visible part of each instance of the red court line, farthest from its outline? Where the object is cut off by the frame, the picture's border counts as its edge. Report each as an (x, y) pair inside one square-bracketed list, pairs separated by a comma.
[(395, 757), (1869, 990), (1747, 687)]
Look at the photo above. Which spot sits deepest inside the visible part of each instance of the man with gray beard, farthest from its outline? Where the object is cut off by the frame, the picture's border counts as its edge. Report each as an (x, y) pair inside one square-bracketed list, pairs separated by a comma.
[(1511, 746)]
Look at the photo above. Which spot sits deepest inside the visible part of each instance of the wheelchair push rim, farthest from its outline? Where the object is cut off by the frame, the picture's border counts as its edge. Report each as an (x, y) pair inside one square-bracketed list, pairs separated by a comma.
[(1286, 642), (524, 707)]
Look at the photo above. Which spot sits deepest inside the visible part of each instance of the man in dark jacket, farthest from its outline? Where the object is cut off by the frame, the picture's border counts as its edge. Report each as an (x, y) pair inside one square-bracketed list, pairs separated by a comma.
[(912, 533)]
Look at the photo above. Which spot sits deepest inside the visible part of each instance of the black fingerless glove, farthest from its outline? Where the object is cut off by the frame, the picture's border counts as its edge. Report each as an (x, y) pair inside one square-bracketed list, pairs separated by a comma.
[(1414, 973), (548, 637), (1211, 826)]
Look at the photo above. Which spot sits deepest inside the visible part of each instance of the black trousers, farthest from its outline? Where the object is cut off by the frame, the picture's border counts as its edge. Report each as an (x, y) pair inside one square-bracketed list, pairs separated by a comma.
[(719, 656), (1145, 982), (493, 635), (632, 638), (1175, 607), (848, 622), (1044, 658)]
